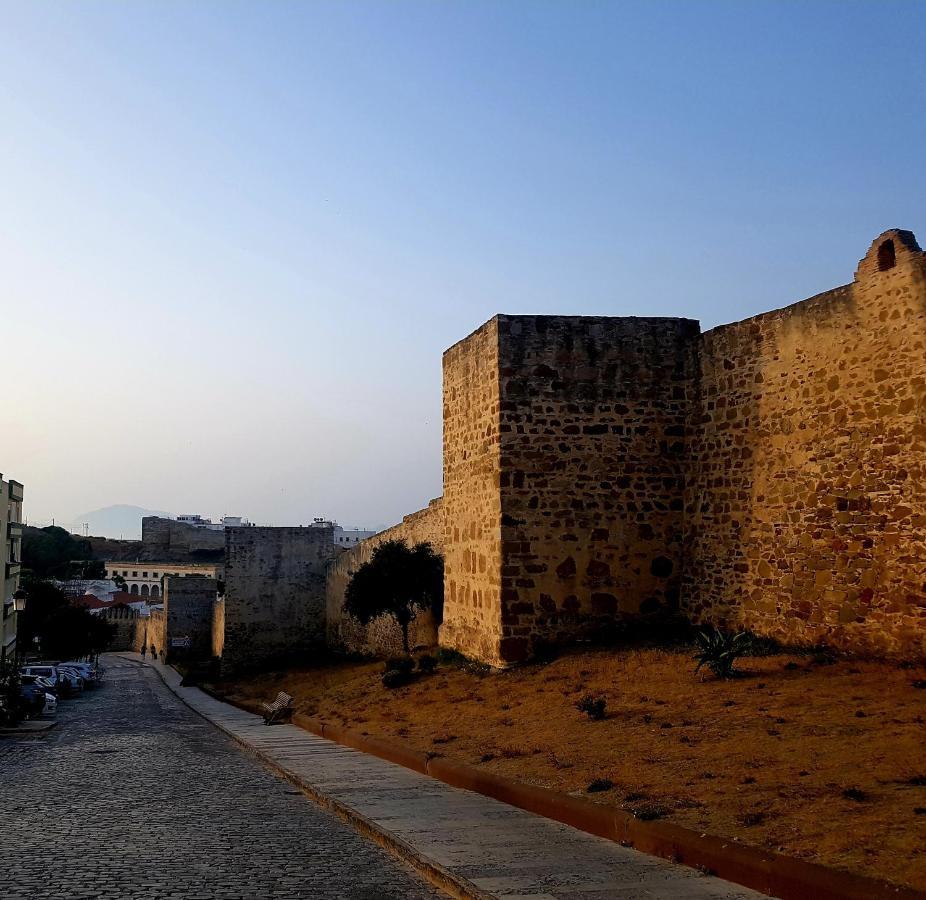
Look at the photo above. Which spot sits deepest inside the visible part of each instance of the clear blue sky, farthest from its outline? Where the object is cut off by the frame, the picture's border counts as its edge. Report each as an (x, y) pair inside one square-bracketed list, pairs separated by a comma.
[(236, 237)]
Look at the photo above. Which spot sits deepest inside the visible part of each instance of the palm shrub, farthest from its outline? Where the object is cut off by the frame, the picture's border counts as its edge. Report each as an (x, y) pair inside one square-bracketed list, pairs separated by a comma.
[(719, 650)]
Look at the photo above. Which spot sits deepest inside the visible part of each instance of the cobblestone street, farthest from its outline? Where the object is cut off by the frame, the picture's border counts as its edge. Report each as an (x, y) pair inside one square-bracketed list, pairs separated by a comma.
[(134, 795)]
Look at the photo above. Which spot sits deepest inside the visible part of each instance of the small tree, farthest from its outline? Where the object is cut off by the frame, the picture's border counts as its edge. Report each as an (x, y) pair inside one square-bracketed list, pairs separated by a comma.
[(397, 581)]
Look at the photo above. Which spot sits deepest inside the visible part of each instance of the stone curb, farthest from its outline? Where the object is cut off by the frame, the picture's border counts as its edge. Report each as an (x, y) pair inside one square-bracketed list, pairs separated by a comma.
[(434, 872), (29, 734), (769, 873)]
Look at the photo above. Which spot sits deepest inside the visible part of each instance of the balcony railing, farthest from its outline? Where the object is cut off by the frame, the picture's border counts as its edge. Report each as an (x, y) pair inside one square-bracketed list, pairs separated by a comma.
[(16, 490), (12, 569), (14, 529)]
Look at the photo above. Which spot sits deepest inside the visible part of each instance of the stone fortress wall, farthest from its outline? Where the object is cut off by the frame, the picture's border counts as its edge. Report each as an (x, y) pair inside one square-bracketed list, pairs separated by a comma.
[(769, 474), (274, 607), (806, 493), (124, 621), (382, 636), (592, 455), (189, 602), (172, 540), (766, 474)]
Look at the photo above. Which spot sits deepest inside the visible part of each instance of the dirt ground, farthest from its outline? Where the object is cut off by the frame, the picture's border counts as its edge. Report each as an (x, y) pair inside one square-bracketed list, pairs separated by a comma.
[(818, 759)]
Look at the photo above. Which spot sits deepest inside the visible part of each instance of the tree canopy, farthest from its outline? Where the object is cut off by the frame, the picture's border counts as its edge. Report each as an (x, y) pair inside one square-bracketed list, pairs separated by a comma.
[(398, 581), (63, 631), (54, 552)]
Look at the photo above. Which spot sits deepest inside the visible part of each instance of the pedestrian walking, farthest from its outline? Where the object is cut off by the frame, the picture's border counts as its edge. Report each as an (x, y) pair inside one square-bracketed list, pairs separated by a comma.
[(144, 650)]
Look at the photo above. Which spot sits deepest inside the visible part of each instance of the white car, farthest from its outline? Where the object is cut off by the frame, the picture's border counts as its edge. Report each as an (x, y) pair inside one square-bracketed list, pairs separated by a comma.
[(72, 676), (51, 705), (62, 677), (86, 670), (75, 676), (39, 671)]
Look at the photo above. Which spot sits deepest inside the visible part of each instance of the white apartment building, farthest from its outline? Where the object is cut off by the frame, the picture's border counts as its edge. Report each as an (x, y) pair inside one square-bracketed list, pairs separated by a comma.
[(343, 537), (144, 578), (11, 515), (198, 521)]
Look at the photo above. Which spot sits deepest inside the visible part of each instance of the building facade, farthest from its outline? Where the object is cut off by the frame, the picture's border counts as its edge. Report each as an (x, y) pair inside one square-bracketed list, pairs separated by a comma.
[(146, 578), (11, 501)]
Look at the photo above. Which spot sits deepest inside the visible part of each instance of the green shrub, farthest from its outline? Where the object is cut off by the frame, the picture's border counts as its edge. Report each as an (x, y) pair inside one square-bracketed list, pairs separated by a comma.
[(594, 707), (402, 664), (427, 664), (600, 784), (719, 650), (395, 679), (456, 660), (11, 703), (649, 811)]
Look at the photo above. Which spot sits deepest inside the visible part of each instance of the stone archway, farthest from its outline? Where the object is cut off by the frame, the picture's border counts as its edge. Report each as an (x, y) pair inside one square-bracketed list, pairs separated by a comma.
[(144, 590), (133, 589), (155, 590)]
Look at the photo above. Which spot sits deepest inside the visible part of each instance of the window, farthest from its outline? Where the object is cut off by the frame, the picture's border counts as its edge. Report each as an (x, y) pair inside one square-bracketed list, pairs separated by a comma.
[(144, 574), (887, 257), (125, 572), (154, 574), (135, 574)]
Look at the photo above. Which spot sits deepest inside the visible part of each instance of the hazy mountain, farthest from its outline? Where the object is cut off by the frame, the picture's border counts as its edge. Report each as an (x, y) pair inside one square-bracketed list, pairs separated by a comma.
[(119, 521)]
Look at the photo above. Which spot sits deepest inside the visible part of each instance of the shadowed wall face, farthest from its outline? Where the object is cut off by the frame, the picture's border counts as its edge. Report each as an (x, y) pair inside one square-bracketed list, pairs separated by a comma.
[(274, 594), (807, 489), (189, 602), (593, 445)]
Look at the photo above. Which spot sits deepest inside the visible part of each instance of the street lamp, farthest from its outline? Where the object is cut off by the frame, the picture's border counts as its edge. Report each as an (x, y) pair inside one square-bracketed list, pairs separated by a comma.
[(19, 601)]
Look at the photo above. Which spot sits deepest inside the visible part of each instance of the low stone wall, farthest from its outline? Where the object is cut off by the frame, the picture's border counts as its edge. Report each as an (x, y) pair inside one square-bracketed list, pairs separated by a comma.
[(151, 631), (382, 637), (124, 620)]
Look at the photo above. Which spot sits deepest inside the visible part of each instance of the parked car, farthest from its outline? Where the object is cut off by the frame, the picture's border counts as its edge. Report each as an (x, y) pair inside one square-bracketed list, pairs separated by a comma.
[(78, 682), (51, 705), (91, 674), (33, 699), (41, 670), (47, 684), (67, 681)]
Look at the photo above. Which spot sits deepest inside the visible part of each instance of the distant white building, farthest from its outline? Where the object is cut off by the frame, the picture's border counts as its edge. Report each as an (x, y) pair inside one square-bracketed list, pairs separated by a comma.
[(198, 521), (343, 537)]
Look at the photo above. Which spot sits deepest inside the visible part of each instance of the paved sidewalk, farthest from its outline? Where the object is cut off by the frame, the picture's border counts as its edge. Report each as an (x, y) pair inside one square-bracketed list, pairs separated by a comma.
[(485, 848)]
